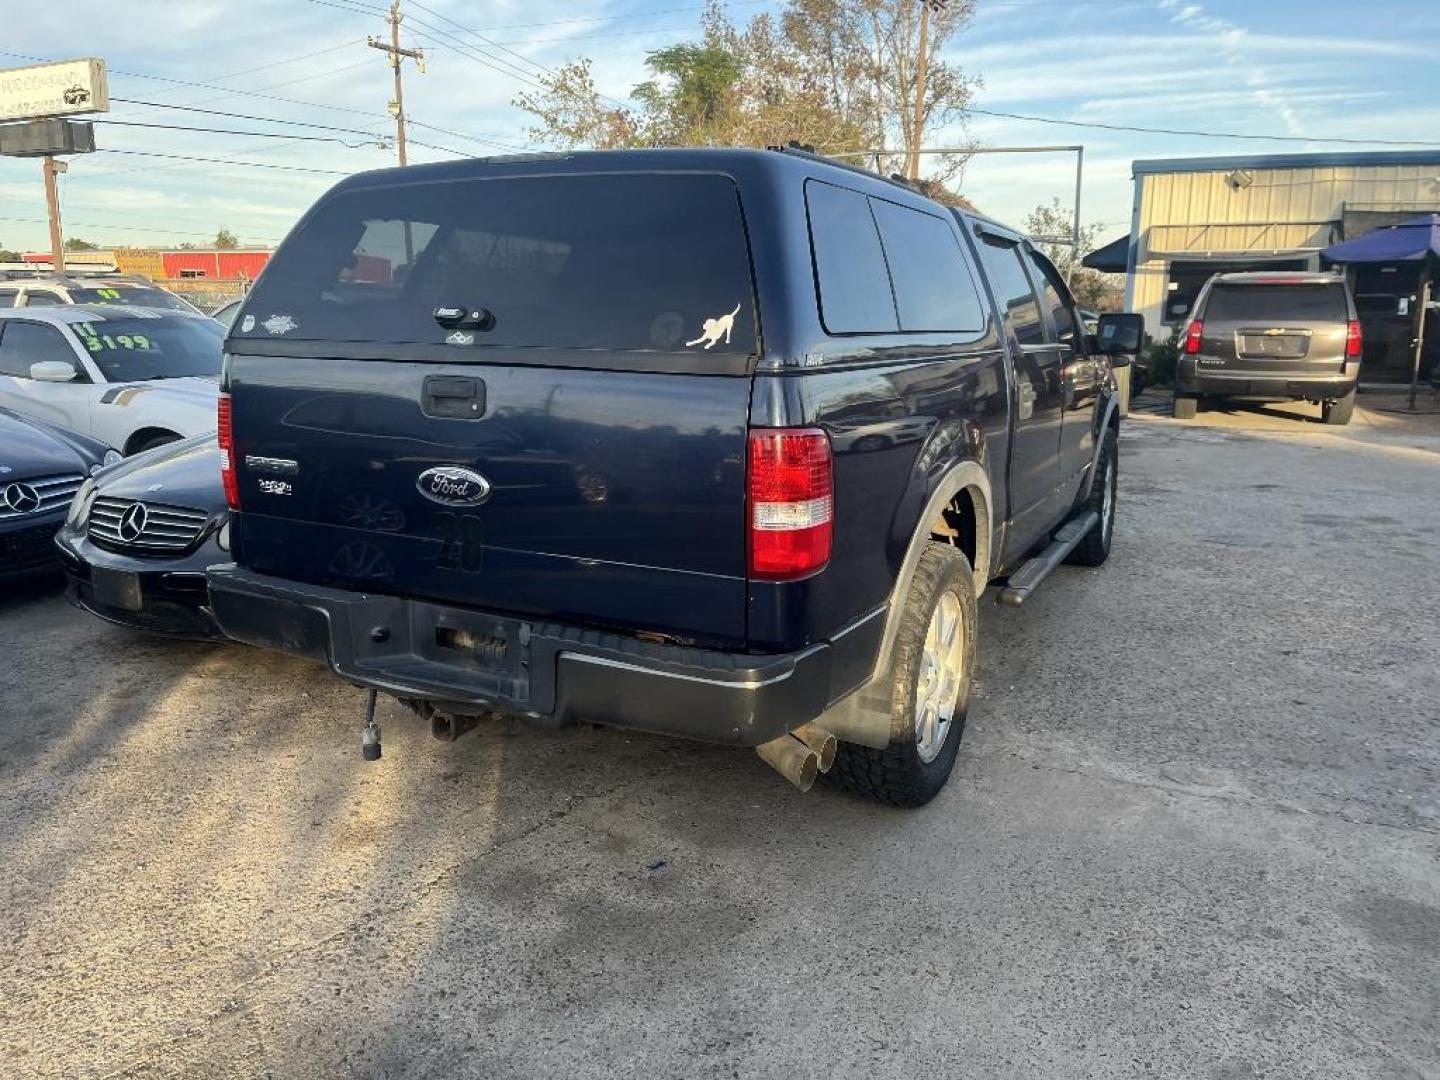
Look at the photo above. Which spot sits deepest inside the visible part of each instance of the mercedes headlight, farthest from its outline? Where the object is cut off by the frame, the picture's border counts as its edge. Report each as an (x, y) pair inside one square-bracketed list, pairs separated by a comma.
[(81, 503), (112, 457)]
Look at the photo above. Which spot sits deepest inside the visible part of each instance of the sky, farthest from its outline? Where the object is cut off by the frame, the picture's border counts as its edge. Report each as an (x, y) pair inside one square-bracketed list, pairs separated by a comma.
[(1307, 70)]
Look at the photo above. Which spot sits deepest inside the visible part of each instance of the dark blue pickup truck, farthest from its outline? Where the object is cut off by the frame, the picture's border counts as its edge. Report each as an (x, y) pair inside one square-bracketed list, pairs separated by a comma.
[(718, 443)]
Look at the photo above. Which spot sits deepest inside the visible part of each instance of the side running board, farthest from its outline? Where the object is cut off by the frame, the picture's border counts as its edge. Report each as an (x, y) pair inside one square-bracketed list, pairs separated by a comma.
[(1034, 571)]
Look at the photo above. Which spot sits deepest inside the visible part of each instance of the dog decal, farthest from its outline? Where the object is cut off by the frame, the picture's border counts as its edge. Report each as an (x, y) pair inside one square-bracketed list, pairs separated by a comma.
[(715, 329)]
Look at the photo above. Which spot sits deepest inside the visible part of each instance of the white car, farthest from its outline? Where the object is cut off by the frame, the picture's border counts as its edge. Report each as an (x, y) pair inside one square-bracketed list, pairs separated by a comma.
[(133, 378)]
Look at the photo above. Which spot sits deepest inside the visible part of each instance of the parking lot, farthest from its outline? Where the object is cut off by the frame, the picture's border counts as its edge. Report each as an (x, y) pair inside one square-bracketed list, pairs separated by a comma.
[(1193, 832)]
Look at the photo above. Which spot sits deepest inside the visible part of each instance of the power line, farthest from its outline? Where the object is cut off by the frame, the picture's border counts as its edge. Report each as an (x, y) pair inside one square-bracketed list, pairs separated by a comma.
[(225, 161), (440, 37), (142, 228), (614, 18), (245, 116), (283, 100), (211, 86), (1200, 134), (230, 131)]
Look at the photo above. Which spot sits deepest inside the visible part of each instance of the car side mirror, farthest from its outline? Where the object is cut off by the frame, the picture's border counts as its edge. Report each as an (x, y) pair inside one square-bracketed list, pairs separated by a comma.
[(1121, 336), (53, 371)]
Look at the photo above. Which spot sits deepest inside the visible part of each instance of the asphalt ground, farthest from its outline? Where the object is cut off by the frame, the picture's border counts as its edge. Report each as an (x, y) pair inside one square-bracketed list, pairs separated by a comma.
[(1193, 832)]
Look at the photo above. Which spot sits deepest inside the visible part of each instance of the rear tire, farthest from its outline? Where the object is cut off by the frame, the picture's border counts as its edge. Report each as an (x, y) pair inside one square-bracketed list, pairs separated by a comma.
[(1339, 411), (1095, 548), (1185, 407), (931, 666)]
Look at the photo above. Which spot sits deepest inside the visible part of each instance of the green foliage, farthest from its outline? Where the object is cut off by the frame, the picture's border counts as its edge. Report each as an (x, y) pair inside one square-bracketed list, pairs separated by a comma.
[(225, 240), (1162, 357), (1092, 289), (7, 255), (695, 90), (839, 75), (74, 243)]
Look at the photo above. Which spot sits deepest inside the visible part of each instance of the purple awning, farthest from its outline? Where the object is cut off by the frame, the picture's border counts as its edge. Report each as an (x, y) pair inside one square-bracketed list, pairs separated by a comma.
[(1409, 241)]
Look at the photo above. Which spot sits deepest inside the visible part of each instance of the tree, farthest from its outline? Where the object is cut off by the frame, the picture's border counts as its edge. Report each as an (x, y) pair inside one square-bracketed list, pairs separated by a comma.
[(1092, 288), (838, 75), (7, 255), (225, 240), (74, 243)]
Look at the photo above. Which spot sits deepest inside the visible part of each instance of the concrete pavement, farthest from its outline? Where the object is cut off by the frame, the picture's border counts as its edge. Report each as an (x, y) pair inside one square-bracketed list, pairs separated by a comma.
[(1193, 832)]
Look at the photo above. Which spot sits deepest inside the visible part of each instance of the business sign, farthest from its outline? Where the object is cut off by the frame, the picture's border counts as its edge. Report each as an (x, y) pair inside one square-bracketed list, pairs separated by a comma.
[(42, 138), (63, 89)]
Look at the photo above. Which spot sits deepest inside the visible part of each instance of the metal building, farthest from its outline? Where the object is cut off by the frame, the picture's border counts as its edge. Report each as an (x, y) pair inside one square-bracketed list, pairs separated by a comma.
[(1193, 217)]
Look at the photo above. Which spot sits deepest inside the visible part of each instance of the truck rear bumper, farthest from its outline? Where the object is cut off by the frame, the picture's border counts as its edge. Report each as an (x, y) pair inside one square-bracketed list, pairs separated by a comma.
[(1234, 381), (463, 660)]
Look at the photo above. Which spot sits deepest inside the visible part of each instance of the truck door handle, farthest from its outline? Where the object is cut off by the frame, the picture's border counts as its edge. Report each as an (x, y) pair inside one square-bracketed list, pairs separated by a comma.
[(453, 397)]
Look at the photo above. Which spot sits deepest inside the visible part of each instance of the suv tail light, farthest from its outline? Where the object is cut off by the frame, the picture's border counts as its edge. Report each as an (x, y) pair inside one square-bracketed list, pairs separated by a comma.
[(226, 439), (1193, 335), (792, 505), (1354, 341)]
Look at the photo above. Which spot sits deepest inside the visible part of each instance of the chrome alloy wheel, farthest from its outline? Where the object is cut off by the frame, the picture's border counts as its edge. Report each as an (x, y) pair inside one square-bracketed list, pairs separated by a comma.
[(942, 667)]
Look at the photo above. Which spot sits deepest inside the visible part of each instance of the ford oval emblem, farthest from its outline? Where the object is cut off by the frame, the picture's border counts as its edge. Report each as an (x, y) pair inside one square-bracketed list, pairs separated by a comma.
[(452, 485)]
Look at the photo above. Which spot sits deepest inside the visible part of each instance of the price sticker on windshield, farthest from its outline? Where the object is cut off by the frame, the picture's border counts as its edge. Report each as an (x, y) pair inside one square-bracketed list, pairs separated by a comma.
[(97, 342)]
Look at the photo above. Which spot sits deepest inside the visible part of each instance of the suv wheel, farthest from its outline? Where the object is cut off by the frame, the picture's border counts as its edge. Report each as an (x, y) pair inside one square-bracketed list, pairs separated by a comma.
[(1339, 411), (1095, 548), (931, 668), (1185, 407)]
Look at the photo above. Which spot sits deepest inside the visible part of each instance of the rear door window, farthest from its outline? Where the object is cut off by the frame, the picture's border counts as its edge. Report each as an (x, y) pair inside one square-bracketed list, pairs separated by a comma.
[(933, 287), (1269, 303), (850, 271), (1012, 288), (35, 298), (655, 262), (8, 297)]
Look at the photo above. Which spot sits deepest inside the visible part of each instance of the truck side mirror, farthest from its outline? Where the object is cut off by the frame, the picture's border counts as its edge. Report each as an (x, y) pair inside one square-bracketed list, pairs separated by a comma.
[(52, 371), (1121, 336)]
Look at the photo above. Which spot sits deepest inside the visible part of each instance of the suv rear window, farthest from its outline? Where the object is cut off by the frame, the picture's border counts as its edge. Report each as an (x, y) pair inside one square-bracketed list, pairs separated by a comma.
[(1259, 303), (599, 261)]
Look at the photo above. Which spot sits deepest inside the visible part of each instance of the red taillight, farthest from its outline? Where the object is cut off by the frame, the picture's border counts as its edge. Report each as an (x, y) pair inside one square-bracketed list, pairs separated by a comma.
[(792, 504), (226, 439), (1354, 342), (1193, 335)]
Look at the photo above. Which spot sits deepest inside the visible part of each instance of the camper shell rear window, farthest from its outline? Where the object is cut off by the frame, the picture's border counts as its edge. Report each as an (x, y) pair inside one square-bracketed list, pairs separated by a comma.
[(651, 262)]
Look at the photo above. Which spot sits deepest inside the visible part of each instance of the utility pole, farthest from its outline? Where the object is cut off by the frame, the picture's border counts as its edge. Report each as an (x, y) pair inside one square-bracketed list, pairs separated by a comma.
[(397, 55), (922, 62), (52, 169)]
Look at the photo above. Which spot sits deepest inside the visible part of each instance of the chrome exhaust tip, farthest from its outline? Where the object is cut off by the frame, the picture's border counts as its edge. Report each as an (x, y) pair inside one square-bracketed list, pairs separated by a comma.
[(792, 759)]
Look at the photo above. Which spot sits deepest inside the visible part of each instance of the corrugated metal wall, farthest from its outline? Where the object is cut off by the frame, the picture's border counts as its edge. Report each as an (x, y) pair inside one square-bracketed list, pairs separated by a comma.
[(1198, 216)]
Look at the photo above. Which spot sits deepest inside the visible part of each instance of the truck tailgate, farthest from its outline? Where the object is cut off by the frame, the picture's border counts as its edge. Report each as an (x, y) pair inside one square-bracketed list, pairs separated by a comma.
[(615, 498)]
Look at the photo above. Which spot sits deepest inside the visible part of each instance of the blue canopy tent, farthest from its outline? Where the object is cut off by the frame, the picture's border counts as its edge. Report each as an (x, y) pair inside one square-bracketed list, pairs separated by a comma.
[(1415, 242)]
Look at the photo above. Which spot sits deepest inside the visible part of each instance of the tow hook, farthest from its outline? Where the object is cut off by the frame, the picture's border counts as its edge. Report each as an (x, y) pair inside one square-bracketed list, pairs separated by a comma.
[(370, 733)]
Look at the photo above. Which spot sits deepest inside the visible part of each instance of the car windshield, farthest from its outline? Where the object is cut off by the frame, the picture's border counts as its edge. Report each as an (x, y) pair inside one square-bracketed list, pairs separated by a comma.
[(130, 296), (154, 347), (1321, 302)]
